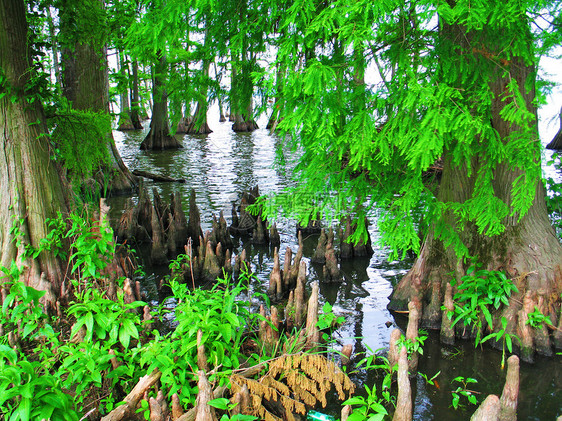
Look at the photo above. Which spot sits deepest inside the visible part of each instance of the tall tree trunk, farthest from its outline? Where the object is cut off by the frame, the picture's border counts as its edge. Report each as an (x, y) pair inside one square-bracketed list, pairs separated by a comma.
[(125, 122), (528, 250), (242, 85), (219, 94), (198, 124), (147, 88), (135, 99), (87, 88), (159, 137), (239, 124), (275, 117), (222, 118), (31, 187), (186, 120)]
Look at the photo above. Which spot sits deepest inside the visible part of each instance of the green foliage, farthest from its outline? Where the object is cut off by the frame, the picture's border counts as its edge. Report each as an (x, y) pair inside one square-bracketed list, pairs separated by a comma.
[(29, 392), (107, 331), (225, 405), (328, 320), (83, 22), (430, 381), (478, 291), (176, 267), (372, 142), (537, 319), (222, 315), (92, 247), (373, 405), (22, 311), (413, 346), (369, 408), (501, 335), (80, 141), (51, 365), (145, 409), (110, 321), (463, 390)]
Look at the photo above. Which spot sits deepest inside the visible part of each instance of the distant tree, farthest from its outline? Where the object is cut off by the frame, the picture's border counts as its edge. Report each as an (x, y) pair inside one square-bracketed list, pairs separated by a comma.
[(159, 136), (246, 41), (154, 42), (121, 15), (198, 124), (556, 142)]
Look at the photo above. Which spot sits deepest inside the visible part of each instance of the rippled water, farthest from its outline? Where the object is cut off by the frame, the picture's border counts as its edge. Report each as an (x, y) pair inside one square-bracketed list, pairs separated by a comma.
[(223, 164)]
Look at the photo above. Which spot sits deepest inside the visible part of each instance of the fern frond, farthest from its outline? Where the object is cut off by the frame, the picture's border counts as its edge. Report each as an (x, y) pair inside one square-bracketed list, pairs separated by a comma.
[(295, 381)]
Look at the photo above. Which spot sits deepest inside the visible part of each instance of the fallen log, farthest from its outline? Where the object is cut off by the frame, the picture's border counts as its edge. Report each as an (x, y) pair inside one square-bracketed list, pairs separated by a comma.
[(132, 399), (158, 177)]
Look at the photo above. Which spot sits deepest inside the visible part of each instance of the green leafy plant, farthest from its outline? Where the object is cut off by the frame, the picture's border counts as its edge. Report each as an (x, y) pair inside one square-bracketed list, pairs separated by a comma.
[(107, 319), (145, 409), (370, 408), (328, 320), (53, 241), (21, 310), (104, 330), (479, 289), (29, 392), (413, 346), (501, 335), (92, 247), (463, 390), (430, 381), (224, 317), (225, 405), (537, 319), (380, 364)]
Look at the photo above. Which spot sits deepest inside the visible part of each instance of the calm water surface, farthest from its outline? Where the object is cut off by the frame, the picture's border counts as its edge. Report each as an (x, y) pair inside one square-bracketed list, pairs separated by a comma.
[(223, 164)]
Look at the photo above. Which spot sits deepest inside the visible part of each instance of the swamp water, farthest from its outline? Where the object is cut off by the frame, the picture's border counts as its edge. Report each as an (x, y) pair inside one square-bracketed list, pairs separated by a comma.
[(222, 165)]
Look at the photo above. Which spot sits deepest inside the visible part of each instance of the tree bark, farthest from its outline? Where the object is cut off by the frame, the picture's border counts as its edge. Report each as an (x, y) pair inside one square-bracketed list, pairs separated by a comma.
[(31, 187), (159, 137), (527, 251)]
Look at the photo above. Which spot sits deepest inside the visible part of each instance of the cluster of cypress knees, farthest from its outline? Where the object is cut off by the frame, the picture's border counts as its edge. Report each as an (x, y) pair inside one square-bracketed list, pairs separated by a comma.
[(164, 228)]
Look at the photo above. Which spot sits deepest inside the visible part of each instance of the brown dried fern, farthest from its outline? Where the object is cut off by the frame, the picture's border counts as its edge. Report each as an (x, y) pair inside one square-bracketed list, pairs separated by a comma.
[(295, 382)]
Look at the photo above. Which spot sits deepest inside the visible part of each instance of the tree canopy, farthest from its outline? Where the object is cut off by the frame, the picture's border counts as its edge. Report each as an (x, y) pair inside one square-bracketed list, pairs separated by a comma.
[(432, 95)]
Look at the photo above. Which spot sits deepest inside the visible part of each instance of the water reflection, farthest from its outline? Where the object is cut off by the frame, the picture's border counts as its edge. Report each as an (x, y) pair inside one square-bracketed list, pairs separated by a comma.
[(223, 164)]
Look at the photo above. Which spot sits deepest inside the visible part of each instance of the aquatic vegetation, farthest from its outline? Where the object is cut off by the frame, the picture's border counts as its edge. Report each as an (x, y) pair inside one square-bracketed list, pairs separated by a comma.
[(478, 291), (462, 390)]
